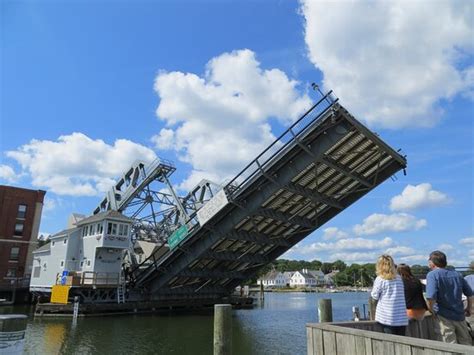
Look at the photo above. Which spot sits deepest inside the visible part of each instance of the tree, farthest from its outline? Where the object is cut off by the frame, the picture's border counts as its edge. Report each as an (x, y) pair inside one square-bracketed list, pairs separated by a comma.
[(339, 265), (326, 268)]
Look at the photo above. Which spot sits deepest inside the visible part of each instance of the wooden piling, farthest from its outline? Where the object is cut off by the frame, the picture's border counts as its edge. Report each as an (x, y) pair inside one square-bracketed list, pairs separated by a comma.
[(372, 308), (222, 329), (325, 310)]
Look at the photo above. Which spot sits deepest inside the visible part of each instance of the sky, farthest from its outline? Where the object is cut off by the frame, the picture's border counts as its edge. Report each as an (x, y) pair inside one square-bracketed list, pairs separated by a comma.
[(88, 87)]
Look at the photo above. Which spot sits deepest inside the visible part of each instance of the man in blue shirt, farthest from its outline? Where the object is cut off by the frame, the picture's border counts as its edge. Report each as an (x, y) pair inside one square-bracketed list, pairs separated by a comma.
[(445, 288)]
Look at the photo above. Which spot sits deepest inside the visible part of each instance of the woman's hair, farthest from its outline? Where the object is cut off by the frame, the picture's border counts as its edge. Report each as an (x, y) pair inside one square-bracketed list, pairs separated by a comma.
[(385, 267), (405, 272)]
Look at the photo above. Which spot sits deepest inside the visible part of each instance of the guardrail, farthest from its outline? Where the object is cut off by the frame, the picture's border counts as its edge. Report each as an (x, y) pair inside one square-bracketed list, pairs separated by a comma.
[(366, 337), (294, 131), (90, 278)]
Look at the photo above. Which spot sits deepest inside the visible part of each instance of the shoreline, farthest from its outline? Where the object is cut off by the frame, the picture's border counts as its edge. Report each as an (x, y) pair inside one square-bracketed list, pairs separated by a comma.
[(340, 289)]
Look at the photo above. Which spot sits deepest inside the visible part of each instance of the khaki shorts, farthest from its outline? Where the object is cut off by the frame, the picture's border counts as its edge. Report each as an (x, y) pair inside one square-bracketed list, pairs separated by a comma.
[(454, 332)]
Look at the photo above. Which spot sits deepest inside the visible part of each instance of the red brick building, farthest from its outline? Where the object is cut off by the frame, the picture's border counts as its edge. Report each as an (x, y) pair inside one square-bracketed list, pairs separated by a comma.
[(20, 216)]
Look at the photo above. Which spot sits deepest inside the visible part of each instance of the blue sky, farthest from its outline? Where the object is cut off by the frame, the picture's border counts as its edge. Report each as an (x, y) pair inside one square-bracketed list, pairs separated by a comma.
[(88, 87)]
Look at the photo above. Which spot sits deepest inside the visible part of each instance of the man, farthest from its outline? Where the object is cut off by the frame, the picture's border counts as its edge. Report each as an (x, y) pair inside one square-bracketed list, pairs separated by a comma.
[(470, 278), (445, 288)]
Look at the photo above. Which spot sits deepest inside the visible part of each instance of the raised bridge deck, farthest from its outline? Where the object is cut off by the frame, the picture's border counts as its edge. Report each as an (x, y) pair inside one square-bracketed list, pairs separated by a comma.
[(318, 167)]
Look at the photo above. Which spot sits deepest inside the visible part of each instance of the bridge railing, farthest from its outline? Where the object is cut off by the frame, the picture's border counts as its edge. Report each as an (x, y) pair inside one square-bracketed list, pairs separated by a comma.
[(297, 129)]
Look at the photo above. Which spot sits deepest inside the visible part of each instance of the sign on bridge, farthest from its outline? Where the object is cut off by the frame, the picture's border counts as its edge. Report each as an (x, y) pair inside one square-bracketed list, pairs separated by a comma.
[(177, 237)]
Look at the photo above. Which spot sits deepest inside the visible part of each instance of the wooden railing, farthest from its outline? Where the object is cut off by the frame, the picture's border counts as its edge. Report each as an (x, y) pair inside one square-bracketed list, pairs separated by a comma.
[(92, 278), (367, 338)]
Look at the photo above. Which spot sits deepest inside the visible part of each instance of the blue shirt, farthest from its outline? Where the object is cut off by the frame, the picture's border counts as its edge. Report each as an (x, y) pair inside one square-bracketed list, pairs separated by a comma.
[(446, 288)]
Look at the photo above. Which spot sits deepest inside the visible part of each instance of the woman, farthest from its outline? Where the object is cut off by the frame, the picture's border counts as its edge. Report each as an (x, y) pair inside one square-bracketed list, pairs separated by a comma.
[(388, 290), (415, 302)]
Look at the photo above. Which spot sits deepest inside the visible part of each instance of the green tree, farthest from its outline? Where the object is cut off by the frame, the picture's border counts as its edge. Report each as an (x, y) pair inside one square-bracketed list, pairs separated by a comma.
[(339, 265)]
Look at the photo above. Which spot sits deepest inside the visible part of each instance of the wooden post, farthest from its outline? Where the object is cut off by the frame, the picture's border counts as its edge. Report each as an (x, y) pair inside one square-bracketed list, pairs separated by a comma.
[(262, 293), (222, 329), (325, 310), (372, 308)]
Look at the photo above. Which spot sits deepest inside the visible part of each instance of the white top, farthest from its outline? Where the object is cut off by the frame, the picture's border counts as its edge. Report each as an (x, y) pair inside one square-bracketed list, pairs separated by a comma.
[(391, 306)]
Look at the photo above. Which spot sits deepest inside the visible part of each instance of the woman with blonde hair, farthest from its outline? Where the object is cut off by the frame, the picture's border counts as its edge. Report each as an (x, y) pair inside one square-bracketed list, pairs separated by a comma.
[(388, 290)]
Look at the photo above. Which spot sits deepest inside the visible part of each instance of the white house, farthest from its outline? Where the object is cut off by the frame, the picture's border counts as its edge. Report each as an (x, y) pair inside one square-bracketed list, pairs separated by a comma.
[(275, 279), (94, 249), (307, 278)]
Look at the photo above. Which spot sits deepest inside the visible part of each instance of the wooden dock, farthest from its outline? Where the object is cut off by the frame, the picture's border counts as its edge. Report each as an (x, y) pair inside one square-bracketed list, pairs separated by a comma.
[(109, 309), (367, 338)]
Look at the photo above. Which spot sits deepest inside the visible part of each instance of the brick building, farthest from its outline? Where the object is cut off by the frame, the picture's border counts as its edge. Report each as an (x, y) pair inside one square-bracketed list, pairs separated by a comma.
[(20, 216)]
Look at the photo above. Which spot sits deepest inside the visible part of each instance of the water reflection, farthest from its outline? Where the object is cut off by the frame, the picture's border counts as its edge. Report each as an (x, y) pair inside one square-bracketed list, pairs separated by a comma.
[(274, 326)]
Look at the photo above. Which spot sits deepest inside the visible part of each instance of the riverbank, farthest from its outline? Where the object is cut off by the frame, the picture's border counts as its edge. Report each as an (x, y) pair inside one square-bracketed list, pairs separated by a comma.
[(340, 289)]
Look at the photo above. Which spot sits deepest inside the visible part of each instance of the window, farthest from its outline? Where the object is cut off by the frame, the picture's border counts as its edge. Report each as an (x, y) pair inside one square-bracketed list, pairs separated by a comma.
[(14, 253), (36, 271), (65, 241), (125, 230), (120, 229), (52, 244), (92, 229), (101, 228), (82, 263), (112, 228), (21, 212), (88, 263), (11, 272), (62, 263), (18, 228)]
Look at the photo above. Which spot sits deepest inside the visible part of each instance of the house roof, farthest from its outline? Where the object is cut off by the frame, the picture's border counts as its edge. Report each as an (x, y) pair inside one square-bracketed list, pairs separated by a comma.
[(307, 275), (272, 275), (104, 215), (46, 247), (63, 232)]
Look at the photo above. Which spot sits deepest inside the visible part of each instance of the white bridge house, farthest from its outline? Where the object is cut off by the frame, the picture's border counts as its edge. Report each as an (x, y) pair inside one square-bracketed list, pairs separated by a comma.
[(92, 251)]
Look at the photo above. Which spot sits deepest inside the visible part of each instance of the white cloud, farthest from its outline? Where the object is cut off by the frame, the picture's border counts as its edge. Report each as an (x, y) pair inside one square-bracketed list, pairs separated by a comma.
[(414, 259), (414, 197), (467, 241), (49, 204), (392, 62), (400, 250), (334, 233), (77, 165), (356, 257), (347, 244), (445, 247), (8, 174), (219, 122), (379, 223)]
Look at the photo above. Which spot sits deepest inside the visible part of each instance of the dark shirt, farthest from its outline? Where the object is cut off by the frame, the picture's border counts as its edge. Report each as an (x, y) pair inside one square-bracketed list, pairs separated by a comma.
[(414, 294), (446, 288)]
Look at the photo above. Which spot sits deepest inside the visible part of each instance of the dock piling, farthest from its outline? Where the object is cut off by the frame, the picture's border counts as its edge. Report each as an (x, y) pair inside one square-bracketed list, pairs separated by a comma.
[(325, 310), (372, 308), (222, 329)]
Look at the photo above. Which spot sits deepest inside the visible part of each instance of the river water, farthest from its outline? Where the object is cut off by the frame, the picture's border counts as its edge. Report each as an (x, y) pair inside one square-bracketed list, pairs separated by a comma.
[(276, 326)]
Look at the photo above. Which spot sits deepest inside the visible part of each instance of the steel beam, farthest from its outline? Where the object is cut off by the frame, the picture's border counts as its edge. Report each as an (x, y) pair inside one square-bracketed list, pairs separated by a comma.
[(230, 256), (257, 238), (285, 217), (344, 170), (312, 195), (212, 274)]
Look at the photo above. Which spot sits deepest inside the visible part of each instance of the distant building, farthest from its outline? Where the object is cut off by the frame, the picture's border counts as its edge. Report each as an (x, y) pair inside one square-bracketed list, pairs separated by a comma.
[(275, 279), (329, 278), (307, 278), (93, 250), (20, 216)]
